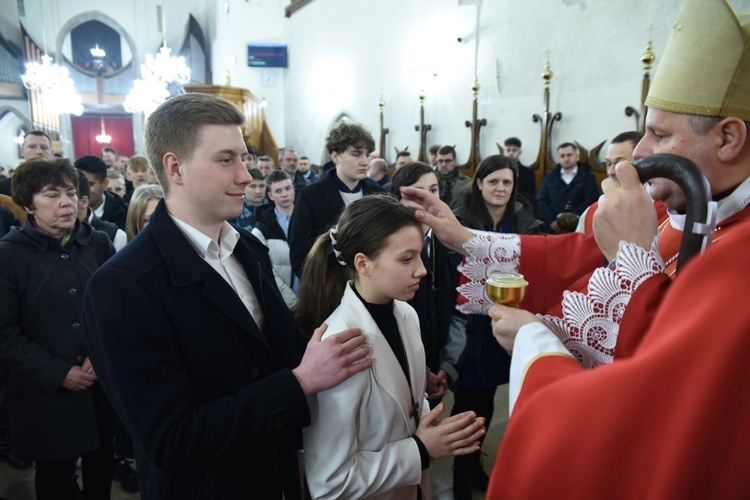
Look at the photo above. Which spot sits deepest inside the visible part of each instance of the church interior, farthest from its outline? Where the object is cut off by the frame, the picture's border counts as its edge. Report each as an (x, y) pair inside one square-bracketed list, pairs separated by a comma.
[(467, 73)]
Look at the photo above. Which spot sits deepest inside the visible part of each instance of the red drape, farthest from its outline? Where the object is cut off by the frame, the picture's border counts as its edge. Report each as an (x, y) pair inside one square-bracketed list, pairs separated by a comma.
[(87, 127)]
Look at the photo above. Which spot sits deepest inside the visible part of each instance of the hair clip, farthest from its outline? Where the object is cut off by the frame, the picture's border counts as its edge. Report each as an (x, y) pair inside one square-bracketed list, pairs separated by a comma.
[(332, 234)]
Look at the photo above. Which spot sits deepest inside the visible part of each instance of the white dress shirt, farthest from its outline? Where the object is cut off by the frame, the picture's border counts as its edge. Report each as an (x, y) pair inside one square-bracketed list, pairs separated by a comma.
[(221, 258), (568, 177)]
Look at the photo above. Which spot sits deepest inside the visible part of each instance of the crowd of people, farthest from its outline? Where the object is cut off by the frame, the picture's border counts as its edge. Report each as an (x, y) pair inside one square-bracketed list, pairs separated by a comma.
[(245, 331)]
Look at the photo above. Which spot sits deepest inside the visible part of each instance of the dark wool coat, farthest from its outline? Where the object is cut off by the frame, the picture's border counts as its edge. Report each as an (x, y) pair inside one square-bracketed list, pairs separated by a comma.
[(41, 291), (209, 398), (317, 209)]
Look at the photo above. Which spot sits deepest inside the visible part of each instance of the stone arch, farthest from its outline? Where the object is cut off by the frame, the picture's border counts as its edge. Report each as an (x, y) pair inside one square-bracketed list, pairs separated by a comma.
[(25, 123), (95, 15)]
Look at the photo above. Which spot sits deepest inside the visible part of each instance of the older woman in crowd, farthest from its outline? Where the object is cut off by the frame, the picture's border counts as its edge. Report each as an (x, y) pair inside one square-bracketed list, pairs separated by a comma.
[(57, 408)]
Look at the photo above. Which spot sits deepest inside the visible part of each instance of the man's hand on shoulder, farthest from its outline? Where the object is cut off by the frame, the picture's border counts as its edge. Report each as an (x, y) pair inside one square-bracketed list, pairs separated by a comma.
[(327, 363)]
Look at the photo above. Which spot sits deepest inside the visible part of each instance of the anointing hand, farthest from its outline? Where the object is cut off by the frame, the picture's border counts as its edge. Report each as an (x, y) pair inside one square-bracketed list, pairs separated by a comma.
[(430, 210)]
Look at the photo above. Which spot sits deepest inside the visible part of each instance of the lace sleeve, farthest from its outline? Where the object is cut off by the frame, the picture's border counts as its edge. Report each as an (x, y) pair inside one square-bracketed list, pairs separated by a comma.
[(591, 322), (486, 253)]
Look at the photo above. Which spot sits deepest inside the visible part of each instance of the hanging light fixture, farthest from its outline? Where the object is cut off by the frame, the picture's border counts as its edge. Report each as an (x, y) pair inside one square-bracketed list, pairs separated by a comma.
[(103, 138), (164, 67), (98, 52), (98, 64), (157, 73), (145, 96), (53, 82)]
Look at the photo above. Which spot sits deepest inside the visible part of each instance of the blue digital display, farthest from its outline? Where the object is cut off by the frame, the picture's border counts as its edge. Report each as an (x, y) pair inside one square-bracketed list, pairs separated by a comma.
[(267, 55)]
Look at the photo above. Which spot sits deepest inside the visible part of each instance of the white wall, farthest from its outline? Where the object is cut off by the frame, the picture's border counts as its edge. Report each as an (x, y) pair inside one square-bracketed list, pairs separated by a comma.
[(345, 53), (252, 21)]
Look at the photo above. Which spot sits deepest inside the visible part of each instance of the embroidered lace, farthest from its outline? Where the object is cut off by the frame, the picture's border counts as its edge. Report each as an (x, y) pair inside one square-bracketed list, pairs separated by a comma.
[(487, 253), (591, 322)]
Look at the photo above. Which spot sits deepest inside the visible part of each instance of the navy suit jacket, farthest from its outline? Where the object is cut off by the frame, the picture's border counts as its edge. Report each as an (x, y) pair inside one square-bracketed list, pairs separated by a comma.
[(209, 399), (555, 194)]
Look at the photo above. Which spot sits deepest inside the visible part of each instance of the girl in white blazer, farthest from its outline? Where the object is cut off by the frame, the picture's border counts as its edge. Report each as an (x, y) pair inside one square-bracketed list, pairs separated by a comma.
[(373, 436)]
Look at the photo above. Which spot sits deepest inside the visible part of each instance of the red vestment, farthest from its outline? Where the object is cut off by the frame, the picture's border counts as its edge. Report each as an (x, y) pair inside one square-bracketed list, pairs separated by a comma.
[(668, 421), (642, 307)]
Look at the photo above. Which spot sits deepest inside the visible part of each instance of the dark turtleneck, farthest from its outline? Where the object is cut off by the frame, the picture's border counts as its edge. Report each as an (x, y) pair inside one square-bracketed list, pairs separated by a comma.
[(386, 321)]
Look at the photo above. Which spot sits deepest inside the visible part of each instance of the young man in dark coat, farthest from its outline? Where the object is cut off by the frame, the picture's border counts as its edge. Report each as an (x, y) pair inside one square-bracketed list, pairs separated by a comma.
[(105, 205), (319, 205), (206, 376)]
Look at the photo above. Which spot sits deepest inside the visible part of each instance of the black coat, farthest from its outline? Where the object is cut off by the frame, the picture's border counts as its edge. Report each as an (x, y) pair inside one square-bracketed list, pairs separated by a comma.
[(526, 180), (316, 210), (209, 399), (5, 186), (7, 220), (435, 303), (109, 228), (115, 210), (41, 292)]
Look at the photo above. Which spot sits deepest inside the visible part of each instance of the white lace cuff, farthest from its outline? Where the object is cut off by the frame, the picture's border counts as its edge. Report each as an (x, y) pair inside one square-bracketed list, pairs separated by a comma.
[(486, 253), (591, 322)]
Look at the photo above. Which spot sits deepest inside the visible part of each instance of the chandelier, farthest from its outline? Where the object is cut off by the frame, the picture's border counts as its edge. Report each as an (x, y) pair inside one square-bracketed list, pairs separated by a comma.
[(56, 88), (52, 82), (98, 63), (145, 96), (98, 52), (165, 68), (103, 138), (157, 73)]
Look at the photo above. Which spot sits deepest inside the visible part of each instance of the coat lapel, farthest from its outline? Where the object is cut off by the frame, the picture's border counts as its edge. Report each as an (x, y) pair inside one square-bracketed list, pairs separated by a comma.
[(187, 268), (386, 368)]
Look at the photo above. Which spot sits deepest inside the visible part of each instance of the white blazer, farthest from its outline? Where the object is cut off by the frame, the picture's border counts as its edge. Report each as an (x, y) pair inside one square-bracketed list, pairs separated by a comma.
[(359, 443)]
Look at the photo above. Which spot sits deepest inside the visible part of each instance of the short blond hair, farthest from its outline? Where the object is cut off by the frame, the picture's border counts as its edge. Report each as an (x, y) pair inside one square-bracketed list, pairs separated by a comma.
[(114, 174), (175, 127), (138, 164)]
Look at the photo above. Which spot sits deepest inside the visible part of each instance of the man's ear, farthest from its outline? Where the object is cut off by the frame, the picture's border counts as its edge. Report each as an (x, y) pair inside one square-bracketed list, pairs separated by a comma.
[(733, 132), (335, 157), (173, 167), (105, 183), (83, 202), (362, 264)]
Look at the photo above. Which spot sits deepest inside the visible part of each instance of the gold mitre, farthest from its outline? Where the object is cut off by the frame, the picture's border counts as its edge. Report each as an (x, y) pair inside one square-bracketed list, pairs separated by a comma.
[(705, 68)]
